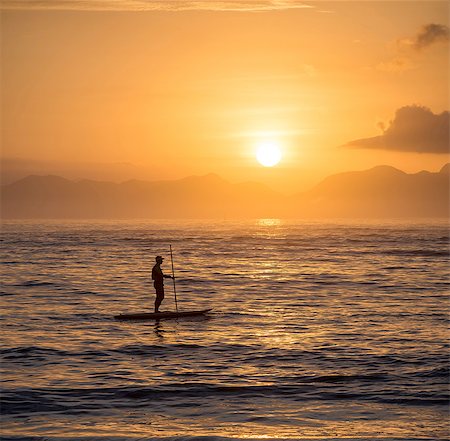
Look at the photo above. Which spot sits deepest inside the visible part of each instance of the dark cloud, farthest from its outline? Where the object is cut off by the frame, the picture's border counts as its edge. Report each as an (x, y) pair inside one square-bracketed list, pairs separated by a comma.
[(413, 129), (407, 49), (430, 34)]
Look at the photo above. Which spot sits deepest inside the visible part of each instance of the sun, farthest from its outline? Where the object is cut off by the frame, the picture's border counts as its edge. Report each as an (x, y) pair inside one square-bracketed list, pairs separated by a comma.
[(268, 153)]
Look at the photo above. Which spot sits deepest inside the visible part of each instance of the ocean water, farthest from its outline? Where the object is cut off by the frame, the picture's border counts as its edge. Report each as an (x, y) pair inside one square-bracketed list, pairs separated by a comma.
[(319, 331)]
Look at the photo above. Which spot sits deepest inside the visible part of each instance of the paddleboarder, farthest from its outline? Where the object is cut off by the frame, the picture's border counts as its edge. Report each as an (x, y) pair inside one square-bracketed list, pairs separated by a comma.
[(158, 281)]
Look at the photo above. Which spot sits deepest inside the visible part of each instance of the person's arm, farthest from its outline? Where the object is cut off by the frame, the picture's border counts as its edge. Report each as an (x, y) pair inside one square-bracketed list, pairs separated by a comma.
[(167, 276)]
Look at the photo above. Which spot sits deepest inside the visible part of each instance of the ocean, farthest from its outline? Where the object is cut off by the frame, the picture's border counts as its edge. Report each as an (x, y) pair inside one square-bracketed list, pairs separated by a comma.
[(319, 330)]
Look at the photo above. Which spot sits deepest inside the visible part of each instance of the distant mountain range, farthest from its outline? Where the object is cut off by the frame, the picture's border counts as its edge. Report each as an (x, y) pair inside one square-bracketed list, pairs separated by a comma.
[(381, 192)]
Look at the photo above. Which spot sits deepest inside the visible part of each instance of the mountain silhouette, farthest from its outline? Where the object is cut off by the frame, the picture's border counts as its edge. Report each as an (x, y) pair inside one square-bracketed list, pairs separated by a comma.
[(381, 192), (191, 197), (445, 169)]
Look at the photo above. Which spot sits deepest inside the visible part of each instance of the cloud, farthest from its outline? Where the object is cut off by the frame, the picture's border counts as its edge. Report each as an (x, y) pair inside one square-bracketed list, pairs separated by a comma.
[(155, 5), (413, 129), (430, 34), (426, 36), (407, 49), (397, 64)]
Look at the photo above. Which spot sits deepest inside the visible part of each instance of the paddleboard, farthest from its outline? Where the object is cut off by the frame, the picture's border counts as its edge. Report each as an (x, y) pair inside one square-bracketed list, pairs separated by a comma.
[(159, 315)]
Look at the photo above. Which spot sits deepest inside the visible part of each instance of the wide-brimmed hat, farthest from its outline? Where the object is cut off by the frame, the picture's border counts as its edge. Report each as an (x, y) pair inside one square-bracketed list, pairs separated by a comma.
[(159, 258)]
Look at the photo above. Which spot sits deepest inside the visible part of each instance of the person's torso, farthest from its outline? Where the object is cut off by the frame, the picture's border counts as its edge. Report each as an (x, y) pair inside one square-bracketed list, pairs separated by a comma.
[(157, 274)]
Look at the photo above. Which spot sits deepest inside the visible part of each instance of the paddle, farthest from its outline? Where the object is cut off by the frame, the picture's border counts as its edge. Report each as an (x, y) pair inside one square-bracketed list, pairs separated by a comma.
[(173, 278)]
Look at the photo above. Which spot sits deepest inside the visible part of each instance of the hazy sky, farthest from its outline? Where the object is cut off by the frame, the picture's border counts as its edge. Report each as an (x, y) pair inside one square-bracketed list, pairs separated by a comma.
[(184, 87)]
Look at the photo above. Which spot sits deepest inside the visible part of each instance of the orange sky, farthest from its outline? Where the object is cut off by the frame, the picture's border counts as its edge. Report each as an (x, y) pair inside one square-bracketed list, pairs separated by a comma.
[(193, 91)]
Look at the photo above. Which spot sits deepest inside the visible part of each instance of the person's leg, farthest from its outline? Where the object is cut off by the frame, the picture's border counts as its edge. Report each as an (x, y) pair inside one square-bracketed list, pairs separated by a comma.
[(157, 303), (159, 298)]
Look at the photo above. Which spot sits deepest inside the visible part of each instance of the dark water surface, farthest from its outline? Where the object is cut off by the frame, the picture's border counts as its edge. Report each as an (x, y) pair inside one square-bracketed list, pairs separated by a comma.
[(319, 330)]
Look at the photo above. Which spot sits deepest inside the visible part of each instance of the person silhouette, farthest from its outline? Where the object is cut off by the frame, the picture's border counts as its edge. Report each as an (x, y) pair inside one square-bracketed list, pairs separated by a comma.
[(158, 281)]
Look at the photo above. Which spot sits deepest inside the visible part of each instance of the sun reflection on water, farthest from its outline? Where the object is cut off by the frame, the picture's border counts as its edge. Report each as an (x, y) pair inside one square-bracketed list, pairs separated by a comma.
[(268, 222)]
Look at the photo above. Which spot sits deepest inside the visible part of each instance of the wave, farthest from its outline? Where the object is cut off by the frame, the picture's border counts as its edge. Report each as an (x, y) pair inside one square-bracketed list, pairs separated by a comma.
[(31, 283), (415, 252), (203, 438), (76, 400), (41, 352), (31, 351), (4, 293), (184, 438), (378, 367)]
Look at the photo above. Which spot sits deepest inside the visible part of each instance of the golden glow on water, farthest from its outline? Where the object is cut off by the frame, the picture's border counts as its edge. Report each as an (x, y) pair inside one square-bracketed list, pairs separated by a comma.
[(300, 328), (269, 222), (289, 425)]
